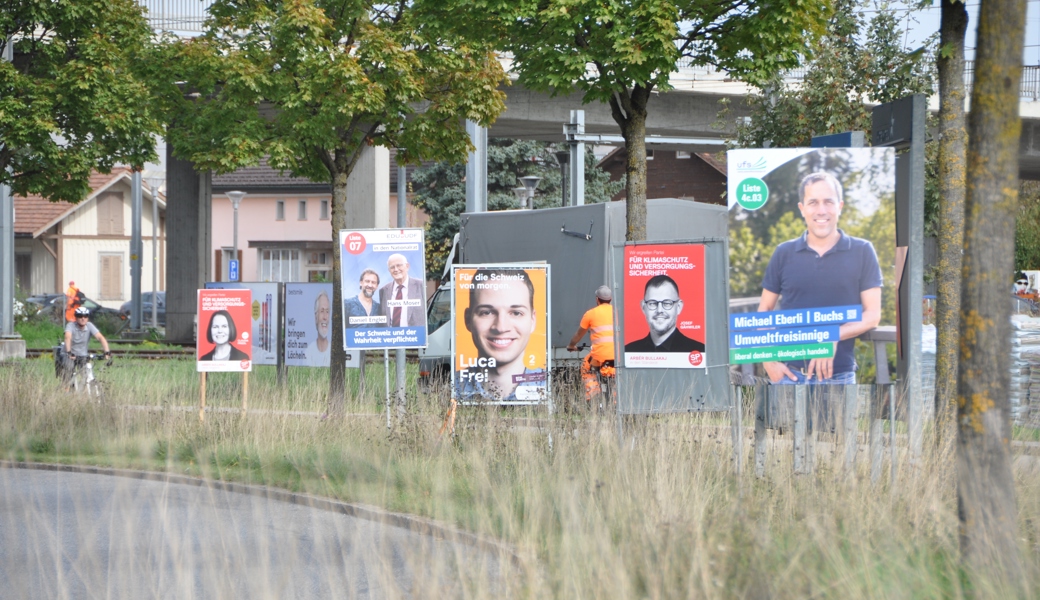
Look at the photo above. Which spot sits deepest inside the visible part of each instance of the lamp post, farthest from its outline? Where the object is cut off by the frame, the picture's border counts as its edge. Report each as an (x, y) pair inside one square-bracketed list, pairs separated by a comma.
[(236, 199), (154, 182), (521, 196), (563, 157), (530, 183)]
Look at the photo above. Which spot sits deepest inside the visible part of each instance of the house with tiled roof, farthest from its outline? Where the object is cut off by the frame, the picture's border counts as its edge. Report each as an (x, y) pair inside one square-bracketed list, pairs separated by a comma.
[(698, 176), (88, 242), (284, 224)]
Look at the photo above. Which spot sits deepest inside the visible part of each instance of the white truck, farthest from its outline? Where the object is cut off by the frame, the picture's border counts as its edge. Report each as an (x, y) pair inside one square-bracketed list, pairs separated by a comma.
[(577, 242)]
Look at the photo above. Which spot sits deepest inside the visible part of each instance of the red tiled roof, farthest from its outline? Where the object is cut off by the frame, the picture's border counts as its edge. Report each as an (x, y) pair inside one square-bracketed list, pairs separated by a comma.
[(32, 213), (717, 160)]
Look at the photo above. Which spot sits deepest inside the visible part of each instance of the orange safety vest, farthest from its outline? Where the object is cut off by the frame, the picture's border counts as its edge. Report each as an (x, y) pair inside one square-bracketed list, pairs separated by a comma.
[(600, 323), (71, 303)]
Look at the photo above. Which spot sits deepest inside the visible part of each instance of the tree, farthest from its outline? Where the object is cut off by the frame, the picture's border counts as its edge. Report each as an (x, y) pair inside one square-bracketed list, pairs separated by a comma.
[(622, 52), (985, 486), (311, 83), (1027, 228), (952, 145), (73, 100), (856, 63), (440, 189)]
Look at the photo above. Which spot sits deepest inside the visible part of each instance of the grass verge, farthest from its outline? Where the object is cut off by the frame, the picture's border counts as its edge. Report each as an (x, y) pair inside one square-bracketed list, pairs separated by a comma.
[(659, 515)]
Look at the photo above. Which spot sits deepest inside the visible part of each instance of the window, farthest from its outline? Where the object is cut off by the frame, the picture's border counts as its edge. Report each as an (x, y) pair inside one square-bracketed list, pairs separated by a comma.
[(23, 272), (111, 276), (319, 266), (649, 154), (680, 154), (110, 214), (302, 216), (279, 210), (279, 265), (324, 210)]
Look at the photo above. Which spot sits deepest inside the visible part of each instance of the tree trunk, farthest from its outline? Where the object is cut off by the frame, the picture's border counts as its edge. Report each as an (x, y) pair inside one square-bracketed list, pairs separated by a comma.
[(629, 111), (985, 487), (952, 141), (338, 356)]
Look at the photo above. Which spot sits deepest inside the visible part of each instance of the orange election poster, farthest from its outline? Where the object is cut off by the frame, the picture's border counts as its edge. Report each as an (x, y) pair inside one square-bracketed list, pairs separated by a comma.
[(500, 343)]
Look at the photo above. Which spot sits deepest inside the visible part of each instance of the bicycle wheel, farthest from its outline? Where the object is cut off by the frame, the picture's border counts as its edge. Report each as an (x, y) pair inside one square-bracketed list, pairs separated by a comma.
[(96, 391)]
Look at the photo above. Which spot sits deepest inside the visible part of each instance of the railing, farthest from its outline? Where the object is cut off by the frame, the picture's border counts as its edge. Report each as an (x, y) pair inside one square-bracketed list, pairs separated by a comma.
[(179, 16), (1030, 90)]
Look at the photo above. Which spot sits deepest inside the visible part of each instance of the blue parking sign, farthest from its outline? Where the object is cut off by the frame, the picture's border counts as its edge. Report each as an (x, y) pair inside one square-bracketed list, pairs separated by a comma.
[(232, 270)]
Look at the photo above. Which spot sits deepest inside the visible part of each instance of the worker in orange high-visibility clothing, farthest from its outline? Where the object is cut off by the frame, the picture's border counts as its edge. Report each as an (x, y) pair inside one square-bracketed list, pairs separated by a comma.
[(599, 323), (73, 300)]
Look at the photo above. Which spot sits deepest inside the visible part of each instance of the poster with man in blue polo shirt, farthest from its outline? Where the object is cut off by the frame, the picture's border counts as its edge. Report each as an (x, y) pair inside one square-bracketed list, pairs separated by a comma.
[(829, 215)]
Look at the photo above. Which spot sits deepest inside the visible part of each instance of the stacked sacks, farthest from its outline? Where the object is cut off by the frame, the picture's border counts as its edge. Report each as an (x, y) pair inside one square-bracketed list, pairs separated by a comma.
[(1024, 393)]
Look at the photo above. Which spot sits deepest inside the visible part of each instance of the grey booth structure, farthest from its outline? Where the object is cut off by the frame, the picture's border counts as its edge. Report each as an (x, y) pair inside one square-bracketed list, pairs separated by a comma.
[(578, 241)]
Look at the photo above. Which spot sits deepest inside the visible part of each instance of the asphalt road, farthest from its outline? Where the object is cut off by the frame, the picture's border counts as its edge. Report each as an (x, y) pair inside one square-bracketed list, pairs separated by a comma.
[(77, 535)]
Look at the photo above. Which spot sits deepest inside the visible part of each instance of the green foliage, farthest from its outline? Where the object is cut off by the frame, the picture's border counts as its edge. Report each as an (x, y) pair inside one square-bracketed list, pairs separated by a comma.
[(620, 52), (440, 189), (40, 331), (856, 63), (74, 99), (310, 83), (638, 43), (1027, 227)]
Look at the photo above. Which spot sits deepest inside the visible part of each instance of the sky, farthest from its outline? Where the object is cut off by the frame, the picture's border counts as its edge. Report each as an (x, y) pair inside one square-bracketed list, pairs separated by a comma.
[(927, 23)]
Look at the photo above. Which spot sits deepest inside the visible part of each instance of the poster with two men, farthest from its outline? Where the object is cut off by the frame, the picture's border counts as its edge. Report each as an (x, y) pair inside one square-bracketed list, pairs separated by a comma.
[(384, 289)]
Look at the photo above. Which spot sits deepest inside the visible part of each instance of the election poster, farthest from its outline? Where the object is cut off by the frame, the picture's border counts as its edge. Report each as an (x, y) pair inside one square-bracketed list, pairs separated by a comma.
[(500, 321), (224, 339), (664, 306), (384, 288), (264, 317), (308, 323), (813, 254)]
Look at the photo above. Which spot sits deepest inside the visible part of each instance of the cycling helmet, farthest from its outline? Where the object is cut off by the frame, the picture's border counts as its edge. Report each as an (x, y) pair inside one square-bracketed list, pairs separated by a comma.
[(82, 311)]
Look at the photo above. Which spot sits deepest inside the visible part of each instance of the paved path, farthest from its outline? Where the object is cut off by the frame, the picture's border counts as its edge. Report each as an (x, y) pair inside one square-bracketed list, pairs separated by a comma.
[(82, 535)]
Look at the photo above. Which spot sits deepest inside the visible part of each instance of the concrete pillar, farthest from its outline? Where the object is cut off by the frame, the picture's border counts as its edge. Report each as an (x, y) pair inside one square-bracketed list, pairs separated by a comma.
[(188, 231), (577, 162), (476, 169), (368, 190)]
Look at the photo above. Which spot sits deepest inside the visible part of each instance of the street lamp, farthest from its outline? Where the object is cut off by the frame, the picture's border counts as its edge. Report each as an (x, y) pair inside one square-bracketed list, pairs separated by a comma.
[(521, 196), (530, 183), (236, 199), (563, 157), (155, 182)]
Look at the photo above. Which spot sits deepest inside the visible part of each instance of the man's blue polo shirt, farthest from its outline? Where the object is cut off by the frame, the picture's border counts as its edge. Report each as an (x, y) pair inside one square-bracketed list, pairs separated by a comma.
[(805, 279)]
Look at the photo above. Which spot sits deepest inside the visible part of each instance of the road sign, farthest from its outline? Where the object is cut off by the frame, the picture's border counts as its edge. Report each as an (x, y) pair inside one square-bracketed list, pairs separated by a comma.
[(232, 270)]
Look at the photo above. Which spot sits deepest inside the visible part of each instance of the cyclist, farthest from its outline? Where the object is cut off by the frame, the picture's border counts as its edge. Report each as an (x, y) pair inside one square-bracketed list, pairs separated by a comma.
[(599, 322), (77, 339)]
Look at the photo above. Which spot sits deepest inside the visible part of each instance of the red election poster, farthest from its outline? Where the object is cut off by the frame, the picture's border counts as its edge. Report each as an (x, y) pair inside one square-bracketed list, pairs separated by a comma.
[(225, 324), (664, 306)]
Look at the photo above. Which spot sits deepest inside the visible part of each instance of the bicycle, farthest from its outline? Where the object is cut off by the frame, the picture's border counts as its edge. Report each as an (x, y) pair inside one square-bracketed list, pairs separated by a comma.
[(78, 374), (606, 376)]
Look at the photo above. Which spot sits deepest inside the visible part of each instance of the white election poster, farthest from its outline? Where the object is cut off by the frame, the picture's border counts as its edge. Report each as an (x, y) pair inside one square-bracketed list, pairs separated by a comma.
[(308, 326)]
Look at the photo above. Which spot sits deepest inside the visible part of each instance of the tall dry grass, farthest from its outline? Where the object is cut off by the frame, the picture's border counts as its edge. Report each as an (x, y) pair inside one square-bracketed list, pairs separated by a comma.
[(656, 511)]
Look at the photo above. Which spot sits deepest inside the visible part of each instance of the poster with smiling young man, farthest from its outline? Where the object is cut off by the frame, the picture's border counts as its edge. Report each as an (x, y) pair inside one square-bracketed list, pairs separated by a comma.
[(500, 346)]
